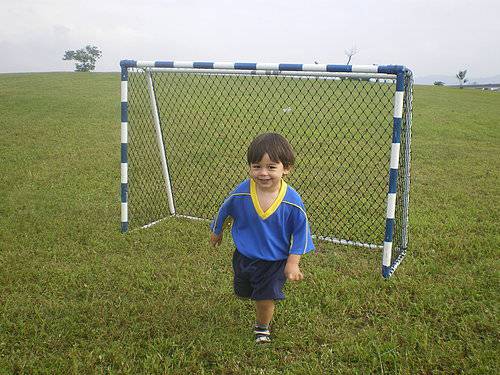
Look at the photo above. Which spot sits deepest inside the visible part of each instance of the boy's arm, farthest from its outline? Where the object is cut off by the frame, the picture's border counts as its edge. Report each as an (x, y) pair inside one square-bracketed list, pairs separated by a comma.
[(217, 225), (301, 244), (292, 270), (216, 239), (301, 233)]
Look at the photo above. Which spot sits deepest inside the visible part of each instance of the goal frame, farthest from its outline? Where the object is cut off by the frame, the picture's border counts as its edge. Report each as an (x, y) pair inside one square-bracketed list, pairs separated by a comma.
[(393, 72)]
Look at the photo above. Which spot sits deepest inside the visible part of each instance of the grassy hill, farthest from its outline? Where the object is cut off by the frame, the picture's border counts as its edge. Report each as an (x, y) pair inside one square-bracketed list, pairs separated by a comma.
[(76, 296)]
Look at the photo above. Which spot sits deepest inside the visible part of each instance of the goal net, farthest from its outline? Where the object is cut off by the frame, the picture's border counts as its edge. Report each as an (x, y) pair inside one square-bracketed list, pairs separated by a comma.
[(186, 127)]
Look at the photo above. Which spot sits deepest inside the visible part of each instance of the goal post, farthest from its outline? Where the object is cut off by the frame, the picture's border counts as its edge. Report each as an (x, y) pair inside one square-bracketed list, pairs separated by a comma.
[(185, 127)]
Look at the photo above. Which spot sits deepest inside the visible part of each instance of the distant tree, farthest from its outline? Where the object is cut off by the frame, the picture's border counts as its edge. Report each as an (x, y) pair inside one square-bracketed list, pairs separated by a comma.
[(85, 57), (461, 77), (439, 83), (350, 53)]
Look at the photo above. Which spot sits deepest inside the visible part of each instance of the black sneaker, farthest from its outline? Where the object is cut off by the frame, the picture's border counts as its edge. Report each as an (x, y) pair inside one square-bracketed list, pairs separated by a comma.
[(262, 335)]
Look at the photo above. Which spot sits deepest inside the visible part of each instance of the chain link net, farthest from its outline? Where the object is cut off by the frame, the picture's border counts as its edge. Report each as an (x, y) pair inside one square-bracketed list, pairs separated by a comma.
[(340, 129)]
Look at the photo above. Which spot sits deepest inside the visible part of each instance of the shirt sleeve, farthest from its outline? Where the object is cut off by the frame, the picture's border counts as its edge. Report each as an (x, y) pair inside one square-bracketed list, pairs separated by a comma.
[(222, 214), (301, 233)]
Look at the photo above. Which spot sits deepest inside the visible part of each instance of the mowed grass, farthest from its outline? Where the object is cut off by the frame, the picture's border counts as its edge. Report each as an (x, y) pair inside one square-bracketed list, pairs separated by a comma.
[(76, 296)]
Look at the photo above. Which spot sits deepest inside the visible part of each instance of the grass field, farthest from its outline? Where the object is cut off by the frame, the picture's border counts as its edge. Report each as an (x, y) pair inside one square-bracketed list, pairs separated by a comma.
[(76, 296)]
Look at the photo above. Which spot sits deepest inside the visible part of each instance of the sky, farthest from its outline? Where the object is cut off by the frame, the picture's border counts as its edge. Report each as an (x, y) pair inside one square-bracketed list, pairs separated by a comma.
[(429, 36)]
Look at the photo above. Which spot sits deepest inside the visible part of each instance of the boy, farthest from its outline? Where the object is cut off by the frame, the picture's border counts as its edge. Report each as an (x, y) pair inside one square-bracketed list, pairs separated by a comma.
[(270, 229)]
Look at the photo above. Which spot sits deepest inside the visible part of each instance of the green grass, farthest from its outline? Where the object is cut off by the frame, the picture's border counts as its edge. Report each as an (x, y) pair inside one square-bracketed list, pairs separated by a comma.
[(76, 296)]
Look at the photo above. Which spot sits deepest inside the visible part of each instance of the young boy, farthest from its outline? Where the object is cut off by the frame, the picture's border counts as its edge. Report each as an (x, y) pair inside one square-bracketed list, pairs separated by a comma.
[(270, 229)]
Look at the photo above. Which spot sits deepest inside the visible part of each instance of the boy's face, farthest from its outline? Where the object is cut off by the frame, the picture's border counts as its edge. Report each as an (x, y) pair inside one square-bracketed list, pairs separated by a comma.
[(267, 174)]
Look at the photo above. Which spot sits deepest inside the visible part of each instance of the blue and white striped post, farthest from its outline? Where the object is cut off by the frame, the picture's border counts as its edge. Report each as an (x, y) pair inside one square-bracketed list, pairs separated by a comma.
[(124, 144), (393, 175)]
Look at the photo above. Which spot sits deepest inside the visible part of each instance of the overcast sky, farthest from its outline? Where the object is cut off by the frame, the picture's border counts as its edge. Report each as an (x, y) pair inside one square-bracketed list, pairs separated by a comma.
[(428, 36)]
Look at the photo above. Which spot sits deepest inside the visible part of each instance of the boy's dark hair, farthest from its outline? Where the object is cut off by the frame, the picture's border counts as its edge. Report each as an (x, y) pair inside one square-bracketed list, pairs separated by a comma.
[(273, 144)]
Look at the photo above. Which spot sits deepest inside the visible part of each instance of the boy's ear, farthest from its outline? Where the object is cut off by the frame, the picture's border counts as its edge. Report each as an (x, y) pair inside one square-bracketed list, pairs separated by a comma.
[(287, 170)]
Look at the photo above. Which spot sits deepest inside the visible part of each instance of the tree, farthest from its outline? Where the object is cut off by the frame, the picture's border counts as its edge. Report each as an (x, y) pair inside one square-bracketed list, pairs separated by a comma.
[(438, 83), (461, 77), (85, 57), (350, 53)]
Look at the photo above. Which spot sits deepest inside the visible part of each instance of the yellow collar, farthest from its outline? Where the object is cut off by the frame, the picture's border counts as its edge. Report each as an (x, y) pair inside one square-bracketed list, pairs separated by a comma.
[(274, 206)]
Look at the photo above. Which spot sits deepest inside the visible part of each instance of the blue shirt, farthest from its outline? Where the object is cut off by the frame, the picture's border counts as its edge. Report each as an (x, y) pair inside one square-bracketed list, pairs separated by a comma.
[(271, 235)]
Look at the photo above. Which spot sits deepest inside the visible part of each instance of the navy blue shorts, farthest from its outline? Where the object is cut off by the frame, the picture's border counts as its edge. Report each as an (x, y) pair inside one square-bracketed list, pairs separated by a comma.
[(258, 279)]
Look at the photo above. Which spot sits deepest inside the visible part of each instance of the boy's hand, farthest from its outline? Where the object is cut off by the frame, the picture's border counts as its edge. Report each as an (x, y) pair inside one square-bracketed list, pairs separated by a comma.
[(292, 272), (215, 239)]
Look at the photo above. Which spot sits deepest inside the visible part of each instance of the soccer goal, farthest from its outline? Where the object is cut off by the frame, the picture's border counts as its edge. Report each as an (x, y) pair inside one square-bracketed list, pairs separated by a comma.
[(186, 126)]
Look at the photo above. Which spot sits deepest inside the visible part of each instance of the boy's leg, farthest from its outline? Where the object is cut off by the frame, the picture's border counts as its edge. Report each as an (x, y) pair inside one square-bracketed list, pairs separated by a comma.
[(267, 286), (264, 311), (264, 314)]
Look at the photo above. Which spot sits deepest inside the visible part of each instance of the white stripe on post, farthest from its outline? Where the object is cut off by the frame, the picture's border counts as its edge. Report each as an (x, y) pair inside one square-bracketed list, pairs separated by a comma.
[(398, 104), (395, 155), (124, 212), (365, 68), (124, 132), (386, 257), (224, 65), (124, 91), (391, 205), (124, 172), (265, 66), (183, 64), (314, 67)]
